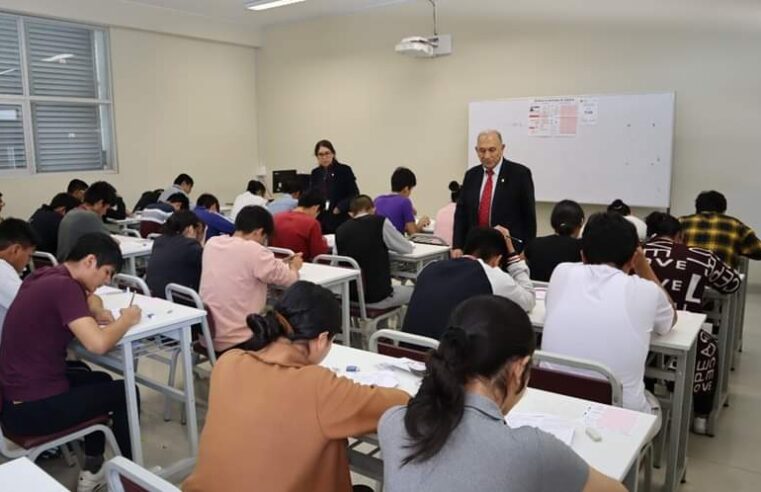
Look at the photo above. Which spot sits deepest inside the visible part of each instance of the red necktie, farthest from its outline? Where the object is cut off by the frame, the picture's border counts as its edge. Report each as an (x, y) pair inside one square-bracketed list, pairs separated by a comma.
[(484, 207)]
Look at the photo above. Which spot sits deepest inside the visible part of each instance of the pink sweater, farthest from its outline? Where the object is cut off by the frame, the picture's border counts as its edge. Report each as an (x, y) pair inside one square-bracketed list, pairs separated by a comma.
[(234, 284)]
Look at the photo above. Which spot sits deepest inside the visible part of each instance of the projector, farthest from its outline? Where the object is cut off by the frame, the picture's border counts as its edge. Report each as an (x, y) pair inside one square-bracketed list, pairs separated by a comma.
[(422, 47)]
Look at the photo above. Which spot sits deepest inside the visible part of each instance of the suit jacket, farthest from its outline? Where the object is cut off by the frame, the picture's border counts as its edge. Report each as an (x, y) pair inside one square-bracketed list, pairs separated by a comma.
[(513, 204), (339, 187)]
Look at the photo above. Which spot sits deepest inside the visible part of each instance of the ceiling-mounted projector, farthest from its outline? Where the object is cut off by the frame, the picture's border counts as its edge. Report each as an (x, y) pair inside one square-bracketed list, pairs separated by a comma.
[(422, 47)]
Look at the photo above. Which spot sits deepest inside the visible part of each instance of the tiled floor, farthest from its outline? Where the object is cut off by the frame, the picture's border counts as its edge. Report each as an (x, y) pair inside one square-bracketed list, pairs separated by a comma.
[(730, 461)]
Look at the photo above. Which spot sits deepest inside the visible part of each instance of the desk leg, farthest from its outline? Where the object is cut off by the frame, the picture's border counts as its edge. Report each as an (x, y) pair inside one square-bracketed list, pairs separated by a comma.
[(346, 312), (190, 394), (131, 266), (722, 378), (631, 480), (676, 465), (130, 390)]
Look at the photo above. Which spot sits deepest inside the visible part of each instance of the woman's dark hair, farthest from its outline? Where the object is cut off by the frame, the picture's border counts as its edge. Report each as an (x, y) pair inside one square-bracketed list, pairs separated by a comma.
[(327, 145), (254, 217), (454, 189), (609, 238), (103, 246), (179, 221), (256, 188), (662, 224), (402, 178), (711, 201), (619, 207), (485, 333), (303, 312), (567, 217)]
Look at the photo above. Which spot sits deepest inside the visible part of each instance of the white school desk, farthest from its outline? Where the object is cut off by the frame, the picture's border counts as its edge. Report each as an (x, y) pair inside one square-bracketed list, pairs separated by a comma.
[(160, 317), (131, 221), (337, 279), (132, 248), (616, 454), (409, 265), (22, 474), (680, 343)]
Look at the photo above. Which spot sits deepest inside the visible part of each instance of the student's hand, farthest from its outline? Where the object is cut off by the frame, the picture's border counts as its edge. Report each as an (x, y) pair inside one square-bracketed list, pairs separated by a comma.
[(506, 234), (104, 317), (640, 264), (424, 222), (131, 315), (296, 262), (456, 253)]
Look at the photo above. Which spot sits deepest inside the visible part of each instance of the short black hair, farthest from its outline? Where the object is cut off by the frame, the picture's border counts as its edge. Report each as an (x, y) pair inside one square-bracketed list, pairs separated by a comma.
[(485, 243), (402, 178), (662, 224), (256, 187), (360, 203), (183, 179), (711, 201), (567, 216), (64, 200), (609, 238), (101, 190), (76, 185), (17, 231), (180, 198), (207, 200), (179, 221), (103, 246), (292, 185), (254, 217), (311, 198), (619, 207)]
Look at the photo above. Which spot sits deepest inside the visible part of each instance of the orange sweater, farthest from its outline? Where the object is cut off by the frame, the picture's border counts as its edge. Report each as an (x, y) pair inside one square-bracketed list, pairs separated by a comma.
[(282, 427)]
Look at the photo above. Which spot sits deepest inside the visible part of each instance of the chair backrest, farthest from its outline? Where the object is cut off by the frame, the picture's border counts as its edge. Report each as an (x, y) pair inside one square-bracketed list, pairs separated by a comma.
[(180, 294), (607, 390), (136, 284), (42, 259), (282, 252), (347, 262), (122, 475), (130, 232), (400, 344), (153, 235)]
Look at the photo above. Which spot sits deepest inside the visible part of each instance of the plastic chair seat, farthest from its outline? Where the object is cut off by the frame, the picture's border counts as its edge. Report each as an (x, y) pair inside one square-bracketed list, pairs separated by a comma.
[(28, 442), (372, 313)]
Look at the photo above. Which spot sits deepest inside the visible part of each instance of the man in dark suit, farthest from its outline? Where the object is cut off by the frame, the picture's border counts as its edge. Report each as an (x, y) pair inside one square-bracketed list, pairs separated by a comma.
[(498, 192), (336, 182)]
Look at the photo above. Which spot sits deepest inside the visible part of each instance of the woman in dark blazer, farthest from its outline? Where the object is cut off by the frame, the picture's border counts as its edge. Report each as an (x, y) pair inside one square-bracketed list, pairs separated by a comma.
[(337, 184)]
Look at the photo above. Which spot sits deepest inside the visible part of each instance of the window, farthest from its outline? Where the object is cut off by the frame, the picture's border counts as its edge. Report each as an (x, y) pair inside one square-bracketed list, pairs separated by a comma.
[(55, 97)]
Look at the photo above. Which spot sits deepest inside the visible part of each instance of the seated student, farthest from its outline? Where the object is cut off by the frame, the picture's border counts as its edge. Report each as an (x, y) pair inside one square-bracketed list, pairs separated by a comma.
[(88, 217), (277, 415), (368, 238), (53, 306), (183, 183), (118, 211), (77, 188), (619, 207), (397, 206), (148, 197), (46, 220), (452, 435), (236, 272), (443, 285), (596, 310), (156, 214), (710, 228), (207, 209), (299, 230), (17, 243), (685, 272), (176, 254), (292, 190), (543, 254), (254, 195), (444, 227)]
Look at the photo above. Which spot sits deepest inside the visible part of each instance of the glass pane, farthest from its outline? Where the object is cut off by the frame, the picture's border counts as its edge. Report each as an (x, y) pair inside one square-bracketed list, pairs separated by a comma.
[(12, 147), (70, 137), (10, 57)]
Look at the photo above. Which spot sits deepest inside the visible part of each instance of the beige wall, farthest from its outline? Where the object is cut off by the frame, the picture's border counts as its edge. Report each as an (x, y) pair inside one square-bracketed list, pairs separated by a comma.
[(340, 79), (181, 105)]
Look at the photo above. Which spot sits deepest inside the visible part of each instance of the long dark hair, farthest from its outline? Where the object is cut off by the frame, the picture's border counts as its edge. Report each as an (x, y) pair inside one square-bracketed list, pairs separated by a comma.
[(567, 216), (303, 312), (484, 334)]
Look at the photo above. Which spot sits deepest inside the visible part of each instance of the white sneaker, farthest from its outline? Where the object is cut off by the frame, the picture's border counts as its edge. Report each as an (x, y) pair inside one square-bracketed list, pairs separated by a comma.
[(699, 425), (92, 482)]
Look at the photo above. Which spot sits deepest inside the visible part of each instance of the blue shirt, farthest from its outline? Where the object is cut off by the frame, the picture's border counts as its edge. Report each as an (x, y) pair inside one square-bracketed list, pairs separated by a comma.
[(216, 223), (283, 204)]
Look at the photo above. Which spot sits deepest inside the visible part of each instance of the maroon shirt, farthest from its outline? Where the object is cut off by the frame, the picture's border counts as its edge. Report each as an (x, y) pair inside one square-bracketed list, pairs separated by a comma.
[(36, 335), (300, 233)]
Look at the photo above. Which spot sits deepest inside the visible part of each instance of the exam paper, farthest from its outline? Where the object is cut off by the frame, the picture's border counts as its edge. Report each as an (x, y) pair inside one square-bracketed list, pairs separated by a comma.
[(561, 428)]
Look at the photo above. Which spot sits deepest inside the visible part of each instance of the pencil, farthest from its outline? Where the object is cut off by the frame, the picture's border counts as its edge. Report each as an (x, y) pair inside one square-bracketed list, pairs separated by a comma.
[(132, 300)]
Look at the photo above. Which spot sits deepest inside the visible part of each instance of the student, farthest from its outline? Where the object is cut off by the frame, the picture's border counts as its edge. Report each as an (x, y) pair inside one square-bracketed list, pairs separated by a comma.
[(443, 285), (288, 430), (17, 243), (176, 254), (118, 211), (183, 183), (156, 214), (368, 238), (710, 228), (236, 272), (543, 254), (598, 311), (77, 188), (88, 217), (619, 207), (207, 209), (292, 189), (685, 273), (53, 306), (452, 435), (148, 197), (46, 220), (299, 230), (444, 227), (397, 207), (254, 195)]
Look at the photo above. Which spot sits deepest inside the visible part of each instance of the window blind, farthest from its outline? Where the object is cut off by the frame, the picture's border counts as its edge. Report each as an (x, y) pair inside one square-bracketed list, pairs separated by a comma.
[(10, 57), (12, 147), (67, 137)]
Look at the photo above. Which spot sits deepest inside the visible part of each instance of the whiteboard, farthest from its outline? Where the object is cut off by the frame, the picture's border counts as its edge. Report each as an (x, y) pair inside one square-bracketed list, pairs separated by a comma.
[(590, 148)]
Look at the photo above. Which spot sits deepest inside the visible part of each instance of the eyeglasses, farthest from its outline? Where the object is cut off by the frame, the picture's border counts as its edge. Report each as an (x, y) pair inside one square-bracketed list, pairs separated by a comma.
[(324, 154)]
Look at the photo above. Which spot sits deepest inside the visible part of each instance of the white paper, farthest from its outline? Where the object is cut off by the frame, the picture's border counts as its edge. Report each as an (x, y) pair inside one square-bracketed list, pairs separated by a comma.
[(540, 293), (561, 428), (589, 110), (553, 117), (405, 364), (611, 419), (382, 379)]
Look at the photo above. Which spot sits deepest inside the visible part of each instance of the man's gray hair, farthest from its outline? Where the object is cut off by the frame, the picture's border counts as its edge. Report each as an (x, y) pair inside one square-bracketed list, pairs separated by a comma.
[(486, 133)]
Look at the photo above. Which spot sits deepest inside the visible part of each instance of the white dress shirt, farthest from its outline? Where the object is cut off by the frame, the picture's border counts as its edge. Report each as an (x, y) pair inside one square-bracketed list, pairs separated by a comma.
[(244, 200)]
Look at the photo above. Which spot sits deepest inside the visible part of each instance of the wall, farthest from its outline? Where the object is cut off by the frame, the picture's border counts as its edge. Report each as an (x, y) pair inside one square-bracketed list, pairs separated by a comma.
[(339, 78), (181, 105)]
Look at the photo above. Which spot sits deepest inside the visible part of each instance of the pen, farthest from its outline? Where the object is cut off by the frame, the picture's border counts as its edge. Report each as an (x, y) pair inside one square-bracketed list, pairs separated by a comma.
[(132, 300)]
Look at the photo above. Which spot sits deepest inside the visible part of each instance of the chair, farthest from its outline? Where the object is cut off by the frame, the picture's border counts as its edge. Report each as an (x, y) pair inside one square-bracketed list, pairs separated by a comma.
[(130, 233), (122, 475), (152, 236), (42, 259), (282, 252), (135, 284), (364, 320), (379, 343)]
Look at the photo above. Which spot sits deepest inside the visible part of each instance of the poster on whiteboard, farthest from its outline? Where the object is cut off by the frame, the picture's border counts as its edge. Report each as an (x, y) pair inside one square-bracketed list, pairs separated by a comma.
[(553, 117)]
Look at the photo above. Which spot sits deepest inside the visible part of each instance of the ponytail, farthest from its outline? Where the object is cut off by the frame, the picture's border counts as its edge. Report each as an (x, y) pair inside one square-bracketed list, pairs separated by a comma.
[(567, 217)]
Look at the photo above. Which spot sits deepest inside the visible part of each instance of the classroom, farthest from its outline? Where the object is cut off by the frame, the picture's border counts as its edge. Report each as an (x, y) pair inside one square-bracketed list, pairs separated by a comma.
[(186, 119)]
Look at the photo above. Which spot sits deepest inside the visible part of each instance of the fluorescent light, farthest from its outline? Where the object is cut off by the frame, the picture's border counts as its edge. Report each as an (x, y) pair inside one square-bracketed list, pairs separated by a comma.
[(58, 58), (269, 4)]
